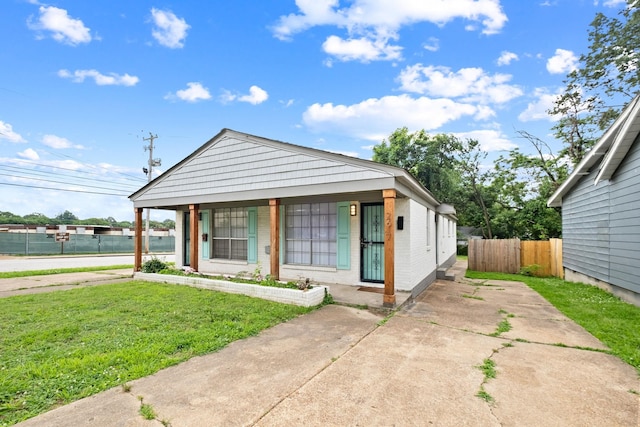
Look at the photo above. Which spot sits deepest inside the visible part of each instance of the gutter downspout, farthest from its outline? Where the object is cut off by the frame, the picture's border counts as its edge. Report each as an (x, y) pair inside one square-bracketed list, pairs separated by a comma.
[(437, 238)]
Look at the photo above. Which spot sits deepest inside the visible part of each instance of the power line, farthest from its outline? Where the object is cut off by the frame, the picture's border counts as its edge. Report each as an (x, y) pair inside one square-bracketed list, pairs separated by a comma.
[(62, 182), (63, 189), (70, 169), (37, 173), (89, 165)]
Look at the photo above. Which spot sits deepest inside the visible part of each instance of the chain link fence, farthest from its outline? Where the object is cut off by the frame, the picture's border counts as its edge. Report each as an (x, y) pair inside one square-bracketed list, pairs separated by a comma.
[(45, 244)]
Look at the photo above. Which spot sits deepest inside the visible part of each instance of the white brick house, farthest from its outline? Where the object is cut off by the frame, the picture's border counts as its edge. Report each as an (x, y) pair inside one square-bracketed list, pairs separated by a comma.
[(244, 202)]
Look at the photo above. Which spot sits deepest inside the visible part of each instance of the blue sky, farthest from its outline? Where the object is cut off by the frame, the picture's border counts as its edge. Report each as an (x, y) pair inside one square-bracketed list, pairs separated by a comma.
[(83, 82)]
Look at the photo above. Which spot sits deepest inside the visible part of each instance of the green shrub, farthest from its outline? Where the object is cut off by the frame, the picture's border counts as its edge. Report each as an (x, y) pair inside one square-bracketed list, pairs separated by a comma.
[(530, 270), (154, 265)]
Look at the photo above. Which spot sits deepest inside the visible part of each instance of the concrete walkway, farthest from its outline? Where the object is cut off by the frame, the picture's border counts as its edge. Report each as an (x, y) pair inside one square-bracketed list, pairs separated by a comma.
[(60, 282), (342, 366)]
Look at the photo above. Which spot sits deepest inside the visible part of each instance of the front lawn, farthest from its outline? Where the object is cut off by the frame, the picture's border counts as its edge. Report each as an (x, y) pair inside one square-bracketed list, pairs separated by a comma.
[(614, 322), (61, 346)]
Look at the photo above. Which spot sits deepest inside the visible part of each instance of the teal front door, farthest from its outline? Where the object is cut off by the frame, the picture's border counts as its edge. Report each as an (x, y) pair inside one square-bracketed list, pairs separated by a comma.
[(372, 243)]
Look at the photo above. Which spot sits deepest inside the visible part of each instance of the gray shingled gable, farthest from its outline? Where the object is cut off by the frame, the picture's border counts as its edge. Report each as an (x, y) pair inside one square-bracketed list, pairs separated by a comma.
[(234, 162), (608, 152)]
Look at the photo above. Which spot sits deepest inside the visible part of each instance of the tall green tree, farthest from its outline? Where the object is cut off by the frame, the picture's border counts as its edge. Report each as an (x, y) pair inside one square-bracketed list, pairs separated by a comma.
[(526, 182), (66, 217), (10, 218), (606, 80), (469, 160), (37, 219), (429, 158)]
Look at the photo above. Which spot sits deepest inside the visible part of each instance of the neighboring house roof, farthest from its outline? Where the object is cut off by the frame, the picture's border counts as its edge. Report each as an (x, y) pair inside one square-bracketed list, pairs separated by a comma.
[(235, 167), (608, 152)]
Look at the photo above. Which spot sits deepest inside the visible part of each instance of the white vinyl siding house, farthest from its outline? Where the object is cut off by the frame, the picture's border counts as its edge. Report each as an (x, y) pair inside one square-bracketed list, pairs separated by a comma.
[(333, 218), (600, 203)]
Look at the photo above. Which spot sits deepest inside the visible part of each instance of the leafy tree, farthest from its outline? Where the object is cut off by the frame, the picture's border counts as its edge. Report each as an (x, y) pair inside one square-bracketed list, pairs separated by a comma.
[(526, 183), (10, 218), (37, 219), (504, 201), (469, 158), (608, 77), (93, 221), (428, 158), (169, 223), (66, 217)]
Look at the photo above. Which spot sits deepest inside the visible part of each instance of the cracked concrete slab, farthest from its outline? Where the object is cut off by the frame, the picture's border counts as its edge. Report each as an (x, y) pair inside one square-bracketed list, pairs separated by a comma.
[(546, 385), (234, 386), (336, 366), (407, 372)]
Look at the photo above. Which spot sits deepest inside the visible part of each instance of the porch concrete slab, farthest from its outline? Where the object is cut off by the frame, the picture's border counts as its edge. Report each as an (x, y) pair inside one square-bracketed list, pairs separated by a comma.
[(235, 386), (407, 372), (352, 295), (544, 385)]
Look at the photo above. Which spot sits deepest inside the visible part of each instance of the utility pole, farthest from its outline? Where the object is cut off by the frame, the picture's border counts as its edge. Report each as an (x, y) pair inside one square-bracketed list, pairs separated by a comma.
[(149, 172)]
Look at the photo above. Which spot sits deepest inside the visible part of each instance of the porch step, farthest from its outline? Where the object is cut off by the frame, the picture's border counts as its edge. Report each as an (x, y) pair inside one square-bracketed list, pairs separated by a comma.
[(444, 274)]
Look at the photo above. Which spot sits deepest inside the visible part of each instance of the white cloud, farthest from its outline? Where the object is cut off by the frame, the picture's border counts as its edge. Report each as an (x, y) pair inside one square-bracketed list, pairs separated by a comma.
[(489, 139), (374, 119), (469, 84), (361, 49), (58, 142), (433, 44), (364, 15), (370, 24), (564, 61), (614, 3), (64, 29), (6, 132), (255, 96), (195, 92), (29, 154), (537, 109), (169, 30), (506, 57), (111, 79)]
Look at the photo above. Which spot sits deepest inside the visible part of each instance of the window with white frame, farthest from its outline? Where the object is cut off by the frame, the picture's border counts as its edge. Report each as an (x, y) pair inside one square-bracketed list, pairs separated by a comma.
[(310, 234), (230, 233)]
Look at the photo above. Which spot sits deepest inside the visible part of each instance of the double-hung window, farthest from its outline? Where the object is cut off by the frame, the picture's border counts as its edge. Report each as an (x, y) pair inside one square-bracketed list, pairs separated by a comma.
[(310, 234), (230, 233)]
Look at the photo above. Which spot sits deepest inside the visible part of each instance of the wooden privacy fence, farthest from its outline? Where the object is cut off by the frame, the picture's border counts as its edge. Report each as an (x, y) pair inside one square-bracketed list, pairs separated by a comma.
[(542, 258)]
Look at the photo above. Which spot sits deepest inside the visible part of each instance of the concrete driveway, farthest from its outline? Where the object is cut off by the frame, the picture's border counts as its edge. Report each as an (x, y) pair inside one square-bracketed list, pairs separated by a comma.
[(343, 366)]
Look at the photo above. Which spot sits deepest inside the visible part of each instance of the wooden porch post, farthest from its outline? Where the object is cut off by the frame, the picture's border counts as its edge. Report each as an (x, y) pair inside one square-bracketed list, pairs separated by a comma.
[(194, 215), (274, 209), (389, 297), (137, 242)]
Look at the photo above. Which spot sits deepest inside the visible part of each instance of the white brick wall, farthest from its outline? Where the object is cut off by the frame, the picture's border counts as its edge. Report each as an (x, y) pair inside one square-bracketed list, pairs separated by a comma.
[(414, 259)]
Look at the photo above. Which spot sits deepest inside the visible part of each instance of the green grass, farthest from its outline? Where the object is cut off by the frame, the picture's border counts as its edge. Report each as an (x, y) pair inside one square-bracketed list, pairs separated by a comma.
[(605, 316), (503, 326), (61, 346), (12, 274), (488, 368)]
